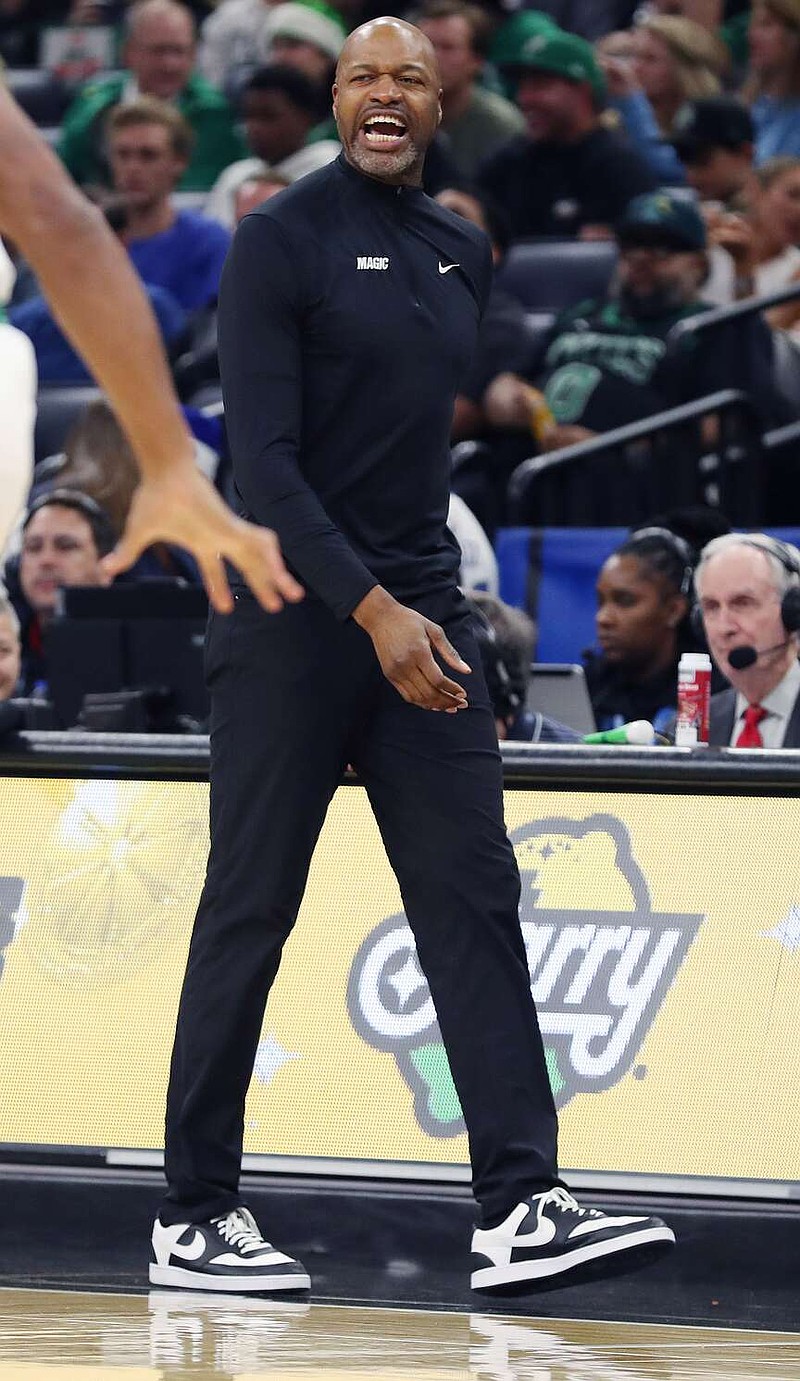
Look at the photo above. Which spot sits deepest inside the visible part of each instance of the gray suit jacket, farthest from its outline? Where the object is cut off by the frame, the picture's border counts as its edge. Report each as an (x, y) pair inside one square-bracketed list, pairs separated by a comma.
[(722, 713)]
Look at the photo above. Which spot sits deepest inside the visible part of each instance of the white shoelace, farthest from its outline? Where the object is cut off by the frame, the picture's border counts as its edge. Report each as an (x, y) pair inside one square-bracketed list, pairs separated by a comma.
[(243, 1235), (564, 1200)]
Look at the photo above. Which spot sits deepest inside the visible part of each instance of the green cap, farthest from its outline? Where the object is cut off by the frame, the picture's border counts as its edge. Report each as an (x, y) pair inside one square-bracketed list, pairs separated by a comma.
[(550, 49), (516, 31), (662, 218)]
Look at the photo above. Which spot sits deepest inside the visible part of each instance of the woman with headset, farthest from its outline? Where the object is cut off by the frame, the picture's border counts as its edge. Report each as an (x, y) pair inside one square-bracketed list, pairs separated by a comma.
[(643, 601)]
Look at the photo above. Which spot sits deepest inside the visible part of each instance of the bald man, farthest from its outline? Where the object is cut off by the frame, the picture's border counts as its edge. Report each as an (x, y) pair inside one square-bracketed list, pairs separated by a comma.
[(158, 57), (349, 311), (98, 300)]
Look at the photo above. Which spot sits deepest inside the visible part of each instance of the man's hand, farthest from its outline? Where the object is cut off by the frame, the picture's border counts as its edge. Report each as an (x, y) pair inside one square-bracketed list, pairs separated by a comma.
[(734, 233), (182, 507), (619, 72), (403, 640), (566, 434)]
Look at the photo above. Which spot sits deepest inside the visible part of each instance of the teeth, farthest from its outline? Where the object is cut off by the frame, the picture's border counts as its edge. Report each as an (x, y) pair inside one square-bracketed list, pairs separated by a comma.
[(393, 124)]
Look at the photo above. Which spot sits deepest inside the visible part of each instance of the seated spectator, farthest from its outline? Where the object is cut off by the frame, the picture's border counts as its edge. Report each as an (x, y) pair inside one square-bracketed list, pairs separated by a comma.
[(280, 107), (476, 121), (505, 638), (607, 362), (629, 107), (772, 85), (643, 594), (742, 583), (763, 242), (306, 37), (99, 464), (714, 139), (568, 174), (676, 61), (10, 652), (65, 535), (180, 251), (159, 58), (17, 409)]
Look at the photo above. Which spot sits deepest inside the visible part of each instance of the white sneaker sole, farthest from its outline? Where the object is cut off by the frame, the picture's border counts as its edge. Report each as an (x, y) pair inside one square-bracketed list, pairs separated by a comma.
[(491, 1277), (241, 1285)]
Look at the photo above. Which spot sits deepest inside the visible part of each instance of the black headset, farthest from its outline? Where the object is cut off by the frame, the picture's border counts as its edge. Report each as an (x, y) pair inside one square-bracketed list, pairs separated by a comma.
[(790, 602), (503, 693), (105, 538), (669, 539)]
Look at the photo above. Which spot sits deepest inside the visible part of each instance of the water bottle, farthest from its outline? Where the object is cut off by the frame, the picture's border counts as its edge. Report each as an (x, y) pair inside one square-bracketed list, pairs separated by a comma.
[(694, 695)]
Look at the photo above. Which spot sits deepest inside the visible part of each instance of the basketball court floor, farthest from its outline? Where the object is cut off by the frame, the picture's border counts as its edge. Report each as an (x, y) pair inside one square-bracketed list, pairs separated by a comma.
[(50, 1335), (390, 1297)]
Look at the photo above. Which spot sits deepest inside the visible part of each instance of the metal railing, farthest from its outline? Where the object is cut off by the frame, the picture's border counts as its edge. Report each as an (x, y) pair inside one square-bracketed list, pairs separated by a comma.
[(630, 473)]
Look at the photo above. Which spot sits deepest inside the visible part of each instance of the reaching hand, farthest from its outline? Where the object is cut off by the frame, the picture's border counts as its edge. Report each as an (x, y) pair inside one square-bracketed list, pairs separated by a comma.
[(403, 640), (185, 509), (735, 234)]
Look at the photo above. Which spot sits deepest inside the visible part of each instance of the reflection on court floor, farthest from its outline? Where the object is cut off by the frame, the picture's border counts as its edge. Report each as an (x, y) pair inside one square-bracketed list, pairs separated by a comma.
[(173, 1336)]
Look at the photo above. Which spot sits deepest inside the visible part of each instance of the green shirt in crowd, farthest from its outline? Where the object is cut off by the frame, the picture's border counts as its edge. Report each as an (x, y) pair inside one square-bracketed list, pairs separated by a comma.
[(217, 142)]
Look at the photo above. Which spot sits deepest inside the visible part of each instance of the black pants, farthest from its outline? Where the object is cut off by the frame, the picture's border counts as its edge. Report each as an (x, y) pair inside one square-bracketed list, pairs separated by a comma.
[(295, 697)]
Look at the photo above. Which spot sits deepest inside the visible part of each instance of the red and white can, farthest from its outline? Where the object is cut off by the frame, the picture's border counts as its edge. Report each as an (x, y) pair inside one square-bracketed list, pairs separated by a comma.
[(694, 695)]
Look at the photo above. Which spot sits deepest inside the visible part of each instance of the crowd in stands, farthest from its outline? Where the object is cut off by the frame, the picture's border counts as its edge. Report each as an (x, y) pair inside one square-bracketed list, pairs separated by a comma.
[(635, 164)]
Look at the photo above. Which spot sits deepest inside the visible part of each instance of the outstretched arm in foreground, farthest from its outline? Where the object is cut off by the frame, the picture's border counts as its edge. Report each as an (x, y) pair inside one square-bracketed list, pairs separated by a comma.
[(94, 292)]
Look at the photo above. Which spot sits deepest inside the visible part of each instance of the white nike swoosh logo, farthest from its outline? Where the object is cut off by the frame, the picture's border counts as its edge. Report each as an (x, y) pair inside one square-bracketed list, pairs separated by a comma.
[(445, 268), (545, 1232), (192, 1250)]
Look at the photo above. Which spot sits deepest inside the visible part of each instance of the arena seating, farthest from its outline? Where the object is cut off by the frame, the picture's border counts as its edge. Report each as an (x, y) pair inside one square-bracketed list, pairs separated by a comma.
[(42, 96), (57, 410), (549, 275)]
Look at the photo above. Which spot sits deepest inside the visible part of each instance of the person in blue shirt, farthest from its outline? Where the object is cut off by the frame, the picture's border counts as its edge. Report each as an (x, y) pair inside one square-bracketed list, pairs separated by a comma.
[(57, 360), (773, 81), (149, 144)]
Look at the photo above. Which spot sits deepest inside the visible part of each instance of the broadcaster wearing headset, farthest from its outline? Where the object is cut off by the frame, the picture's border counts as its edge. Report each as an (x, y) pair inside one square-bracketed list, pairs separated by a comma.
[(643, 601), (748, 601)]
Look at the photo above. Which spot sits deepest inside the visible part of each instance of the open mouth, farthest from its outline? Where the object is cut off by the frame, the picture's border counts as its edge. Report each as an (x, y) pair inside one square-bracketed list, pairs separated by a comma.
[(386, 132)]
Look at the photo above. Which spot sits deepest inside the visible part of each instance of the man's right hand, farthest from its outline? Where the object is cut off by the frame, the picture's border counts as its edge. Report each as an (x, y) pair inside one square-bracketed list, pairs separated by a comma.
[(403, 642)]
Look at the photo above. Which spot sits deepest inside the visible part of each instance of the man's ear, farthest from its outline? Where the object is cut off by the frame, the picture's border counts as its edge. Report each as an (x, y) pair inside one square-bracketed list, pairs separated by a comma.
[(334, 95), (439, 110)]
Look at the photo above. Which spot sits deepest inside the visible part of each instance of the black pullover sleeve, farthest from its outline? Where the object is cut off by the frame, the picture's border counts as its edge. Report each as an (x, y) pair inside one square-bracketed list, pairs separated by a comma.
[(261, 309)]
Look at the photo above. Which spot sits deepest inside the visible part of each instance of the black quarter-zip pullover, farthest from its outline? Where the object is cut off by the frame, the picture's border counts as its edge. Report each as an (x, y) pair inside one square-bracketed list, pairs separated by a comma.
[(348, 316)]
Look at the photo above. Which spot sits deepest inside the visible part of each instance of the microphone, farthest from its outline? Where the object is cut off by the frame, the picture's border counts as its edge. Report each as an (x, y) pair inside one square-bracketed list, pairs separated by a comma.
[(639, 732), (740, 658)]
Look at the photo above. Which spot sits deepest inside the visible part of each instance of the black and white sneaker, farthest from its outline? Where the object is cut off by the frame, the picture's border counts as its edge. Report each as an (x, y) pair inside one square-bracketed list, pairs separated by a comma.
[(551, 1234), (226, 1253)]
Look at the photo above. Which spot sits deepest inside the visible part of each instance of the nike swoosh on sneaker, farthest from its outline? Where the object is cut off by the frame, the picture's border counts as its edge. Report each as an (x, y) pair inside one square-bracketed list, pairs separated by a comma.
[(190, 1251), (445, 268), (545, 1232)]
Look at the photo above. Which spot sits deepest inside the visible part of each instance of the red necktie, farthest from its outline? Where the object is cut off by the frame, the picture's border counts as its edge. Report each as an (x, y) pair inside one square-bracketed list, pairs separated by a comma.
[(750, 734)]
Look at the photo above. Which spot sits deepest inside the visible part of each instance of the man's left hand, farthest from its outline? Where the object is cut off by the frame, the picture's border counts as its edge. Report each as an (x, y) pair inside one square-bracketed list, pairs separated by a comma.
[(185, 509)]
